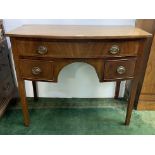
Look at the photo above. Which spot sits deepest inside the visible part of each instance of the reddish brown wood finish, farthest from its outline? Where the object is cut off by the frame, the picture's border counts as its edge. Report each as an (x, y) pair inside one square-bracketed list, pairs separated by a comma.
[(77, 48), (111, 66), (78, 32), (98, 64), (139, 69), (21, 85), (91, 48), (46, 69)]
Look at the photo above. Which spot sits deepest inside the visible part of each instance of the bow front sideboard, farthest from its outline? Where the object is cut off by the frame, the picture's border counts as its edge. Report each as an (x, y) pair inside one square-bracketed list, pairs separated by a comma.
[(41, 51)]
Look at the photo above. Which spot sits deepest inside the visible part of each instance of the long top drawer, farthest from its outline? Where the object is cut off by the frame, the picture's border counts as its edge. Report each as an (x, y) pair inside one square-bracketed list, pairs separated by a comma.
[(77, 48)]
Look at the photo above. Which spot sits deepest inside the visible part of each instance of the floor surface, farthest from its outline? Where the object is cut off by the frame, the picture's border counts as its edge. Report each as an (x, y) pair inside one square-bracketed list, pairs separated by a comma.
[(77, 117)]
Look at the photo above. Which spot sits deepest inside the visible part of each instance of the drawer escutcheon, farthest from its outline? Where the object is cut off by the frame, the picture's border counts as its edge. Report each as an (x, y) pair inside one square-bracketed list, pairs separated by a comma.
[(121, 70), (114, 49), (42, 50), (36, 70)]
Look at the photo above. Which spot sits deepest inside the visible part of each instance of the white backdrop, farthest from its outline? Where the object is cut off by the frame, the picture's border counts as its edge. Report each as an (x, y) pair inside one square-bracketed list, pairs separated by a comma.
[(77, 79)]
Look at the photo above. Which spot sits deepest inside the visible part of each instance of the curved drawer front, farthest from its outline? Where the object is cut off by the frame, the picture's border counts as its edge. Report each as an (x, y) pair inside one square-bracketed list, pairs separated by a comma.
[(77, 48), (36, 69), (119, 69)]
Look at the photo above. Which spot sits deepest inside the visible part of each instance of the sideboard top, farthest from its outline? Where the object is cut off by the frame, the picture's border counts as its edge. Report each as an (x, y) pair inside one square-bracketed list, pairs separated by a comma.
[(78, 32)]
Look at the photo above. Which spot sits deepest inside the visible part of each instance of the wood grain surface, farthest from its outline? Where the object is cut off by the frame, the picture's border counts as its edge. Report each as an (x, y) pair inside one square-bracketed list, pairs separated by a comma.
[(78, 32), (63, 45), (77, 48)]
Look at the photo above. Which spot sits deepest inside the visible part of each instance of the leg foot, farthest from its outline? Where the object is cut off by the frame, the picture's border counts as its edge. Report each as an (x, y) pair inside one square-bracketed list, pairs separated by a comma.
[(131, 101), (22, 93)]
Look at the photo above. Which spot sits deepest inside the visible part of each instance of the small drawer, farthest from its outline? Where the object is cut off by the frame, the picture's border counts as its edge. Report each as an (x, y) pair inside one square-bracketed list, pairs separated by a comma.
[(119, 69), (77, 48), (36, 69)]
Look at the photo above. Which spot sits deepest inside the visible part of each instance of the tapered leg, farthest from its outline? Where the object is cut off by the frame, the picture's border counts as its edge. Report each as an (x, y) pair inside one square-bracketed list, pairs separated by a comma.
[(34, 84), (131, 100), (117, 89), (21, 87)]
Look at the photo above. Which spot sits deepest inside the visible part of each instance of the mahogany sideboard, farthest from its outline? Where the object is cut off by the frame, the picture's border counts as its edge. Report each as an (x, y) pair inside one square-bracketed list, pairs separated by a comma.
[(41, 51)]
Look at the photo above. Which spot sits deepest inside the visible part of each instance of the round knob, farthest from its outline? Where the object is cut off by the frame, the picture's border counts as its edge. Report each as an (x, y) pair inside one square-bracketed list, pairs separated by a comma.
[(121, 70), (114, 49), (36, 70), (42, 50)]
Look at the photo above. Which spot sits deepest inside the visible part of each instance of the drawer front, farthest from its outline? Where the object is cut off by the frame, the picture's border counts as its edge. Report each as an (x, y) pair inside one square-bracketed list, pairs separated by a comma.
[(77, 48), (36, 69), (7, 86), (119, 69)]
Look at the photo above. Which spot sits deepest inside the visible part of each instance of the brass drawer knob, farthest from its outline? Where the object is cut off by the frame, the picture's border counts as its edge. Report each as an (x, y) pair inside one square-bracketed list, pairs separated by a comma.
[(42, 50), (114, 49), (36, 70), (121, 70)]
